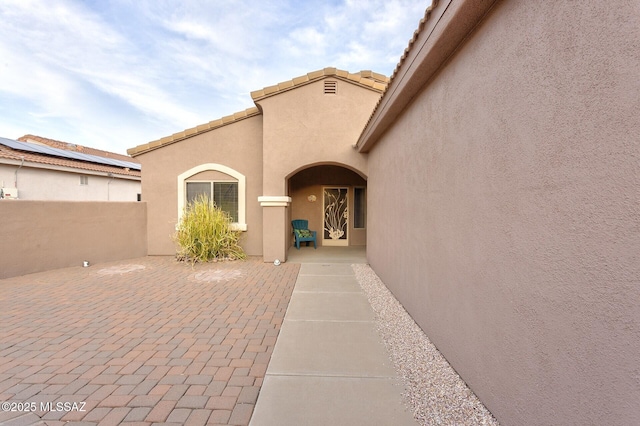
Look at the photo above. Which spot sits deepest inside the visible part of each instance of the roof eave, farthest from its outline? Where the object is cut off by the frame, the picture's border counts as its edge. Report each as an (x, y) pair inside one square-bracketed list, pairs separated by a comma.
[(38, 162), (185, 134), (445, 26), (367, 79)]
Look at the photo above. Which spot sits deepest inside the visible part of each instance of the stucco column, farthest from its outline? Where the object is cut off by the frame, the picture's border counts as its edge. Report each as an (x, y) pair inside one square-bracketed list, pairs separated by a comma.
[(274, 225)]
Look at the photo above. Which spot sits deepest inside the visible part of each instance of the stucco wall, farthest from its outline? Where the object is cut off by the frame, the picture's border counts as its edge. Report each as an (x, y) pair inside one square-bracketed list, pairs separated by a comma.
[(42, 235), (306, 127), (237, 145), (303, 127), (44, 184), (514, 237)]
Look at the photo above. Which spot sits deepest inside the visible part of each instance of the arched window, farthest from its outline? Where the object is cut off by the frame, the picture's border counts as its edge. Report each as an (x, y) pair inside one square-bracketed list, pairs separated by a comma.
[(229, 195)]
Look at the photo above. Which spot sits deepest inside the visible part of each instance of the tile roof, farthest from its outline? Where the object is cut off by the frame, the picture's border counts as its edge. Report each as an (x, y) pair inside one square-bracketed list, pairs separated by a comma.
[(405, 54), (73, 147), (32, 157), (368, 79), (446, 25), (176, 137), (416, 33)]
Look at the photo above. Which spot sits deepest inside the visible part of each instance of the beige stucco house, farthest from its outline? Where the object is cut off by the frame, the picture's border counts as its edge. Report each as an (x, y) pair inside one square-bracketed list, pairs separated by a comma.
[(293, 156), (501, 175)]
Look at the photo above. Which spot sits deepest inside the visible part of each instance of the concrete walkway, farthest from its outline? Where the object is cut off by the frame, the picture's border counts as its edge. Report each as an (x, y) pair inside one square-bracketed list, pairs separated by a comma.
[(329, 366)]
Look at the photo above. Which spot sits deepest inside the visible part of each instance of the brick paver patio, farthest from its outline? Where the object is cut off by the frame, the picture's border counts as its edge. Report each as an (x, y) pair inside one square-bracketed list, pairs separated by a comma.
[(143, 341)]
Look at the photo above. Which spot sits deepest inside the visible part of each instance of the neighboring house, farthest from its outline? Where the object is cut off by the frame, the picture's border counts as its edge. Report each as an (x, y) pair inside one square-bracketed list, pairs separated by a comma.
[(502, 177), (36, 168)]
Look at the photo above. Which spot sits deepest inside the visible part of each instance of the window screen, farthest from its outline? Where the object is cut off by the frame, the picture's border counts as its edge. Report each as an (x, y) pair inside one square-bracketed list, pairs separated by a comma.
[(224, 194), (197, 188)]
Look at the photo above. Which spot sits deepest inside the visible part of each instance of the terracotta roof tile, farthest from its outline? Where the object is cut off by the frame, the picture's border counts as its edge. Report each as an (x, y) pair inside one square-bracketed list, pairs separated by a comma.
[(315, 74), (300, 80), (9, 153), (73, 147), (6, 152), (204, 127), (215, 123), (405, 54), (416, 33), (176, 137), (368, 79)]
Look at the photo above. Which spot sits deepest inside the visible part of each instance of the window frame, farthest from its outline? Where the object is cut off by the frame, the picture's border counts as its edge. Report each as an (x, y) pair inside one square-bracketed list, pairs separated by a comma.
[(241, 225), (211, 188), (364, 212)]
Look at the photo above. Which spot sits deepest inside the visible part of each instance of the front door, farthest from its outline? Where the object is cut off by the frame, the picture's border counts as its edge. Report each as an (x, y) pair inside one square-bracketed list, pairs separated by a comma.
[(336, 217)]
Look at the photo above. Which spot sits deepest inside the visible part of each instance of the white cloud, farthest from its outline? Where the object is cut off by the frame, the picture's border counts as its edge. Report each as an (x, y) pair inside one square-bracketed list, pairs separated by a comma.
[(306, 41), (122, 73), (75, 43)]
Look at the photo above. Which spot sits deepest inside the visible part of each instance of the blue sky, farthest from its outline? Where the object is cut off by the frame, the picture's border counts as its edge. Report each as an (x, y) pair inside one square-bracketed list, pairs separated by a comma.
[(116, 74)]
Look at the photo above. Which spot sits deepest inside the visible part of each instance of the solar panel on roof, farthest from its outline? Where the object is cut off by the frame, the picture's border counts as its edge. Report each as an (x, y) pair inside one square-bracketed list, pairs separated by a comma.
[(17, 145), (48, 150), (73, 155)]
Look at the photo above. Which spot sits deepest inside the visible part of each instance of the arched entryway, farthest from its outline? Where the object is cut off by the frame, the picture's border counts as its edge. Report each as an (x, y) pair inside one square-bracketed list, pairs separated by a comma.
[(332, 198)]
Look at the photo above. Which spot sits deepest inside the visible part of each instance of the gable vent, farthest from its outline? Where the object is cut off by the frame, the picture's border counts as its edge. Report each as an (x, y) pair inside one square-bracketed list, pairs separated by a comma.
[(330, 87)]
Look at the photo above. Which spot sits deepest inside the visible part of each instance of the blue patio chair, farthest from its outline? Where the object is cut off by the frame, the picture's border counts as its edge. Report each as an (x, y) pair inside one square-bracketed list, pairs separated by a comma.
[(302, 233)]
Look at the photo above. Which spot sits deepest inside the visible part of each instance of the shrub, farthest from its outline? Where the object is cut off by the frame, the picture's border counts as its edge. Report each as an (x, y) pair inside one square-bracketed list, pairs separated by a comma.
[(204, 233)]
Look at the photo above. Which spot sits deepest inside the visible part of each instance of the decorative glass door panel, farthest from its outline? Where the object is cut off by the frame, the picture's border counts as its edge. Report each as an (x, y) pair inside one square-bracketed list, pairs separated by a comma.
[(336, 217)]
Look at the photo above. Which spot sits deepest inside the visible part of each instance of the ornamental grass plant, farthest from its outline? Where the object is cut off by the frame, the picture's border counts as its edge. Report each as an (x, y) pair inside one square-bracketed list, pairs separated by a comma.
[(205, 233)]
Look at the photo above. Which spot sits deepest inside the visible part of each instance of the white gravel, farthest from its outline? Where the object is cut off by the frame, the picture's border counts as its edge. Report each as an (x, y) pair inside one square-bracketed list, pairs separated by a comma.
[(433, 390)]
